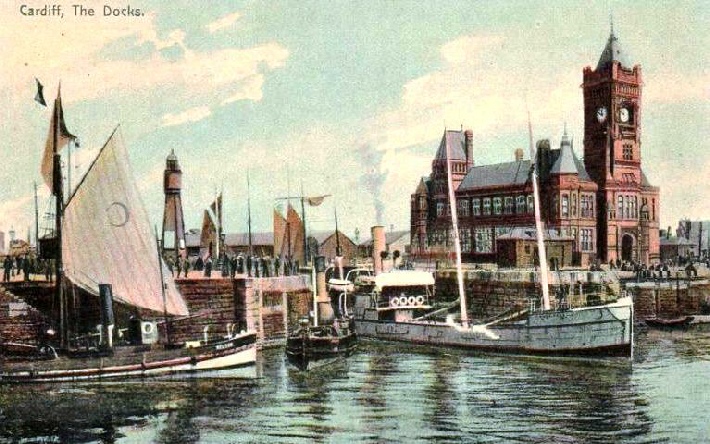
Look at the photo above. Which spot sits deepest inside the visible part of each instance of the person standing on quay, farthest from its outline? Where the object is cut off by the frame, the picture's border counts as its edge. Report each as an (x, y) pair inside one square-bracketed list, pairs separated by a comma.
[(7, 267), (186, 266)]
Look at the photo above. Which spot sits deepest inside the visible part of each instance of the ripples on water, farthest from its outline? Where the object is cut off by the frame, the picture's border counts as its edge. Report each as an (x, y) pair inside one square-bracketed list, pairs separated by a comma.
[(392, 393)]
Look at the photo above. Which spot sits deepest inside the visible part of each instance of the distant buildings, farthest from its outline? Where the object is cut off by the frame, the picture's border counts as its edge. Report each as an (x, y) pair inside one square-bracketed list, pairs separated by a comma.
[(603, 203), (691, 240)]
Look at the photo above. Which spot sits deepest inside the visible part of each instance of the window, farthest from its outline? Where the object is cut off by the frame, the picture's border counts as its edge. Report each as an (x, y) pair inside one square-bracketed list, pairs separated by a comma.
[(440, 208), (497, 205), (565, 205), (422, 203), (463, 207), (574, 205), (586, 237), (520, 204), (531, 204), (465, 234), (486, 206), (508, 204), (484, 240), (620, 205), (476, 204), (586, 208), (628, 151)]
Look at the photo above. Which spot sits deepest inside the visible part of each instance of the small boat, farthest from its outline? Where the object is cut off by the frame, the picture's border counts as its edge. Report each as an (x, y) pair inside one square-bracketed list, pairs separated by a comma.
[(331, 336), (125, 317), (670, 324), (310, 346)]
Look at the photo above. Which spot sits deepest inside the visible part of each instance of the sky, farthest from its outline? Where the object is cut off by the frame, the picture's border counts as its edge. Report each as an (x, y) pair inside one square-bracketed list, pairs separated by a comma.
[(343, 98)]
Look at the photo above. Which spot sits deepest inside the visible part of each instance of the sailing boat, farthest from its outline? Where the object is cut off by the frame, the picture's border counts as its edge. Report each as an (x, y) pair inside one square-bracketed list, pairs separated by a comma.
[(330, 336), (399, 309), (105, 248)]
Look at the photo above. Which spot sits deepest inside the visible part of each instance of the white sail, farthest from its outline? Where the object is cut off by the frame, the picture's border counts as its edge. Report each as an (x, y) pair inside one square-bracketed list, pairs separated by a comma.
[(106, 236)]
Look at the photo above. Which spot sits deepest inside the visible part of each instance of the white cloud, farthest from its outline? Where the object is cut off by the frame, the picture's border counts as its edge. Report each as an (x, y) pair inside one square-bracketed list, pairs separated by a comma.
[(190, 115), (224, 22), (685, 87)]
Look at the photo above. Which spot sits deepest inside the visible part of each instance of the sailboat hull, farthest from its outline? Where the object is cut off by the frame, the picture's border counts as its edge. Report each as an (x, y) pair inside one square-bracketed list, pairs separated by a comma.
[(137, 362), (591, 331)]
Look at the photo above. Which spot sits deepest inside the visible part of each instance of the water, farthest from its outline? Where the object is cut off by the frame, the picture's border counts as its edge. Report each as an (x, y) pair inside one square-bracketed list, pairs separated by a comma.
[(392, 393)]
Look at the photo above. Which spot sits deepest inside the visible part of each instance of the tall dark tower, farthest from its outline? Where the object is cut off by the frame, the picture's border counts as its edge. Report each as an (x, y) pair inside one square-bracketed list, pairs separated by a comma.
[(627, 205), (173, 237)]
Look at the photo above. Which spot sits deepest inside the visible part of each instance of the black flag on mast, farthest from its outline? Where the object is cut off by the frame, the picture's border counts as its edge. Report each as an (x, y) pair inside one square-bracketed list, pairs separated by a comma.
[(39, 97)]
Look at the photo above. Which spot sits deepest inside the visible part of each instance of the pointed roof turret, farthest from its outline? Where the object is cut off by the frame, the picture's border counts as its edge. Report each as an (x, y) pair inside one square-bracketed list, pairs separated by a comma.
[(613, 53), (566, 162), (455, 140)]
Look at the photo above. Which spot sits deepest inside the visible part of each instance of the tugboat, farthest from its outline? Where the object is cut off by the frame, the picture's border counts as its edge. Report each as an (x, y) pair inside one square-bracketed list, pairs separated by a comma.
[(398, 309), (327, 339)]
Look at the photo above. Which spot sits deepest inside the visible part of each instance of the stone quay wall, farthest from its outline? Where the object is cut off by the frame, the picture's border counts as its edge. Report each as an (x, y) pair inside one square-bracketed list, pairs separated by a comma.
[(19, 322), (669, 299), (269, 306), (492, 293)]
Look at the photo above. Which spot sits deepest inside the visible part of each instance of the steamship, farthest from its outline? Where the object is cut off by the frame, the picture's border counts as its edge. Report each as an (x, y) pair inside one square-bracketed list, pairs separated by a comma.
[(399, 307)]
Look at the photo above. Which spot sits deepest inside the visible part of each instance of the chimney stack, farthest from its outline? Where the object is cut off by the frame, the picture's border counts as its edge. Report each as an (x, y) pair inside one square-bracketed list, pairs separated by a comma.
[(468, 137), (518, 154), (379, 244)]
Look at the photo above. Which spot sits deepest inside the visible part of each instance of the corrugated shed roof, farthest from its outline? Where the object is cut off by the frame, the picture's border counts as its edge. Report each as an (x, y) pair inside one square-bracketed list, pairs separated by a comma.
[(456, 142), (390, 237)]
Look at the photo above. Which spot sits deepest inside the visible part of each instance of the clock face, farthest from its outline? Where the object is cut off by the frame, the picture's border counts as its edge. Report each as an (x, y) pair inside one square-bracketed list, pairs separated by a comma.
[(601, 114), (624, 115)]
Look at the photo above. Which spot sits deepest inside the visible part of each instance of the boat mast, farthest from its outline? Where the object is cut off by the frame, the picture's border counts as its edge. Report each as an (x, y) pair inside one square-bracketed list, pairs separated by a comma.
[(457, 240), (57, 190), (542, 255), (36, 221), (251, 252), (162, 285), (303, 218)]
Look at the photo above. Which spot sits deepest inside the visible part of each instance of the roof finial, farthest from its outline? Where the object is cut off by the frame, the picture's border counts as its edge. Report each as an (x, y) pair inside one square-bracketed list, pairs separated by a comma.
[(565, 129), (611, 22)]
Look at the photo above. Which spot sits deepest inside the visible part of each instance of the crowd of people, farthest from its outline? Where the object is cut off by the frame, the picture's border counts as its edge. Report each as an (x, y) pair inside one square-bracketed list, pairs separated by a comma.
[(233, 265), (26, 266)]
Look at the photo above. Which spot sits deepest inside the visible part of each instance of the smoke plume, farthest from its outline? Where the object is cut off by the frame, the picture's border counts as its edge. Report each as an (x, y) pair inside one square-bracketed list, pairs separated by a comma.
[(373, 177)]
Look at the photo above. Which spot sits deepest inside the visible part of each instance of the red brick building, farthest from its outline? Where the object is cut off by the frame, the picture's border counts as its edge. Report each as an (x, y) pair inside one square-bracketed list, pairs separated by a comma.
[(604, 203)]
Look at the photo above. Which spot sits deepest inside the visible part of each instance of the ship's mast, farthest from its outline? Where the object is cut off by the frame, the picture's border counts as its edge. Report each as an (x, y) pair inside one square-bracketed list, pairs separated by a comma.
[(57, 190), (542, 255), (457, 240)]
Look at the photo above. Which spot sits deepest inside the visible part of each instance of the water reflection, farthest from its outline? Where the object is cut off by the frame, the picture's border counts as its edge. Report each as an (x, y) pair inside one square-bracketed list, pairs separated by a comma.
[(389, 393)]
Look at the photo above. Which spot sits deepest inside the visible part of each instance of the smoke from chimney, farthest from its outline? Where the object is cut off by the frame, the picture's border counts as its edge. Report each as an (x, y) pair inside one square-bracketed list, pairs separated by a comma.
[(373, 177)]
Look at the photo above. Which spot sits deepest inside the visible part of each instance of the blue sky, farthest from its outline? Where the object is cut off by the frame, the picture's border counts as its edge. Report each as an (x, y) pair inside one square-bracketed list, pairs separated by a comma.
[(349, 98)]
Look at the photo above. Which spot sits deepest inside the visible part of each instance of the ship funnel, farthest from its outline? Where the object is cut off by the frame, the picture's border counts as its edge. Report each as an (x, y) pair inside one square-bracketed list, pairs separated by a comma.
[(326, 315), (106, 297), (379, 245)]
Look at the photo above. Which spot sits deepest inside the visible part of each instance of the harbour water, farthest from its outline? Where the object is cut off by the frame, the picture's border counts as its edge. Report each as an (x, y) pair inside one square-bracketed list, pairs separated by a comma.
[(392, 393)]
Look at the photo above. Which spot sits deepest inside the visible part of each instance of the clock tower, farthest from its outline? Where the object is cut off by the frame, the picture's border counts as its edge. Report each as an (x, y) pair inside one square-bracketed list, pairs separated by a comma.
[(627, 205)]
